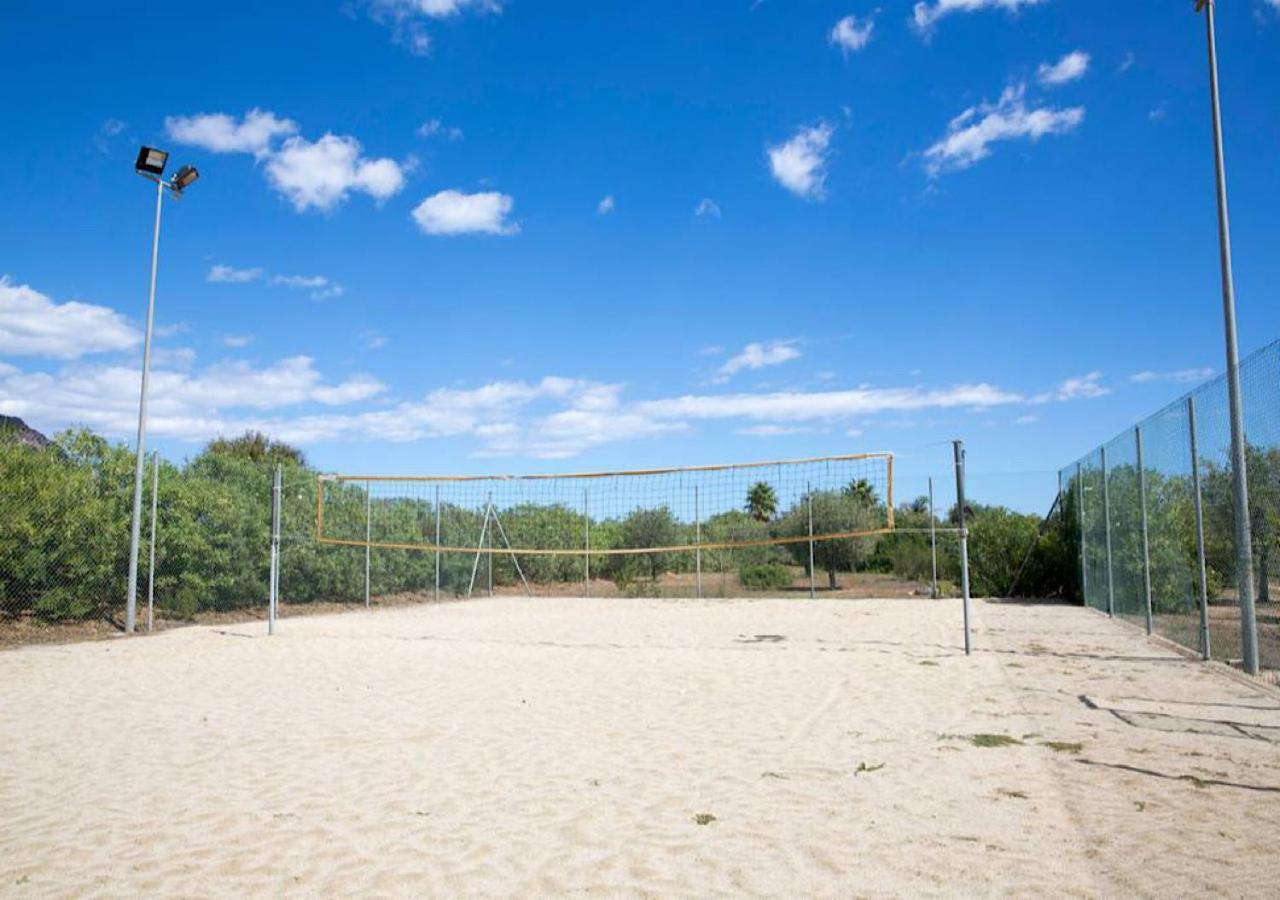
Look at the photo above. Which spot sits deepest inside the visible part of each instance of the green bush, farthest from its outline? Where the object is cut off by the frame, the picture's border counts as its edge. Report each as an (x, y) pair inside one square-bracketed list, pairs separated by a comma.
[(765, 577)]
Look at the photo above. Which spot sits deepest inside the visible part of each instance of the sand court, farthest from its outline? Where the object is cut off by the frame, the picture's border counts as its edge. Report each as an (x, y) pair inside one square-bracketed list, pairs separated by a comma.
[(638, 747)]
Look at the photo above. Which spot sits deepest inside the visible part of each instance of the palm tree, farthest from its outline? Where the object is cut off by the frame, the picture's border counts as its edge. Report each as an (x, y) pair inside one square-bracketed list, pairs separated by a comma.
[(762, 501), (862, 491)]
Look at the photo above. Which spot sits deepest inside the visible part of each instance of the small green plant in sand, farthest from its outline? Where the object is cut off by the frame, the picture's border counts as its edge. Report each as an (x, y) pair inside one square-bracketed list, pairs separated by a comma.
[(704, 818), (1072, 747), (994, 740), (864, 768)]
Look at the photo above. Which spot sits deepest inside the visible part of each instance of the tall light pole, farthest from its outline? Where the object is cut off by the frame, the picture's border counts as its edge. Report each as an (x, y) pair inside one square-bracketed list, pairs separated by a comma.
[(150, 165), (1239, 470)]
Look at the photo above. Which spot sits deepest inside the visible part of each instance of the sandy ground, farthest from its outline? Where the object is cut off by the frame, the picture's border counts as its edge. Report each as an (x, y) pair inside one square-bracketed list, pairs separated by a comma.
[(560, 746)]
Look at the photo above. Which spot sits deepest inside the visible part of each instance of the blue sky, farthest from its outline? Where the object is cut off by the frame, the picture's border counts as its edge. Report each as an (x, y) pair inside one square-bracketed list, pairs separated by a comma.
[(459, 235)]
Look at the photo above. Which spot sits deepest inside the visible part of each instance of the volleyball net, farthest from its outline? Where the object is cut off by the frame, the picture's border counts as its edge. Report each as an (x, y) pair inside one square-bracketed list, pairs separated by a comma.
[(647, 513)]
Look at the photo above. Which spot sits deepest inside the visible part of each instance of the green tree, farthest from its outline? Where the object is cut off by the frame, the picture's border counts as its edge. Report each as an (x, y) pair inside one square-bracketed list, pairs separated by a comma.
[(834, 512), (643, 529), (256, 446)]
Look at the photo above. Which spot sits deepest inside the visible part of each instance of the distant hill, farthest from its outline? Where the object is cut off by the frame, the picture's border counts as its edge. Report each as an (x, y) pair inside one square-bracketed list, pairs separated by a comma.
[(13, 429)]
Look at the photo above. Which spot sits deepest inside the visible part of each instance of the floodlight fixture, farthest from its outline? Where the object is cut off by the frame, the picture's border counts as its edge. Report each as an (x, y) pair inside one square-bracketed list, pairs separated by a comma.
[(183, 178), (151, 161)]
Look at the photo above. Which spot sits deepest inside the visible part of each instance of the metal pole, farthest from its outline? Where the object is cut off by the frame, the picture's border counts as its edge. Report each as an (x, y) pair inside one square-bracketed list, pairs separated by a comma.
[(475, 566), (1239, 472), (131, 599), (697, 551), (1146, 542), (151, 562), (437, 543), (273, 598), (368, 536), (489, 561), (813, 587), (502, 532), (586, 517), (1205, 649), (1084, 551), (1106, 516), (933, 543), (958, 448)]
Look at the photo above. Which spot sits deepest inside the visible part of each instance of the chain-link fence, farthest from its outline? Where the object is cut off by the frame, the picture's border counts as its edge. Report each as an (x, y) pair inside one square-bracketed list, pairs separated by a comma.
[(1152, 514)]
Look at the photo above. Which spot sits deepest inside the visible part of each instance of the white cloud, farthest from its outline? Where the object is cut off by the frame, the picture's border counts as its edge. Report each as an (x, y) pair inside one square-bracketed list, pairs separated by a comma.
[(320, 175), (110, 129), (757, 356), (406, 18), (1178, 376), (1129, 59), (606, 205), (237, 341), (851, 34), (971, 134), (321, 288), (221, 133), (221, 399), (707, 209), (773, 430), (926, 15), (800, 164), (801, 406), (1080, 387), (1070, 68), (453, 213), (32, 324), (228, 275), (373, 340), (433, 127)]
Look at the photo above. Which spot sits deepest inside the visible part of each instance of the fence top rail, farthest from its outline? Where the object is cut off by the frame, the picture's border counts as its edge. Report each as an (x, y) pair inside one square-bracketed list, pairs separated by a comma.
[(616, 474)]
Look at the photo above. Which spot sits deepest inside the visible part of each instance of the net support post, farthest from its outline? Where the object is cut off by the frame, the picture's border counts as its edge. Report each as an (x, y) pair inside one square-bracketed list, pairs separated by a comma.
[(697, 546), (586, 524), (273, 596), (933, 543), (813, 575), (958, 449), (1106, 529), (151, 547), (1146, 542), (368, 536), (1205, 649)]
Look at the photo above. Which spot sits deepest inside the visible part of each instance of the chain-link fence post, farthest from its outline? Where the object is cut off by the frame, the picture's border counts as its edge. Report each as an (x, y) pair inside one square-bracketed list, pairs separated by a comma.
[(1205, 648), (368, 536), (813, 585), (697, 549), (151, 548), (1106, 523), (1146, 541), (1084, 555)]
